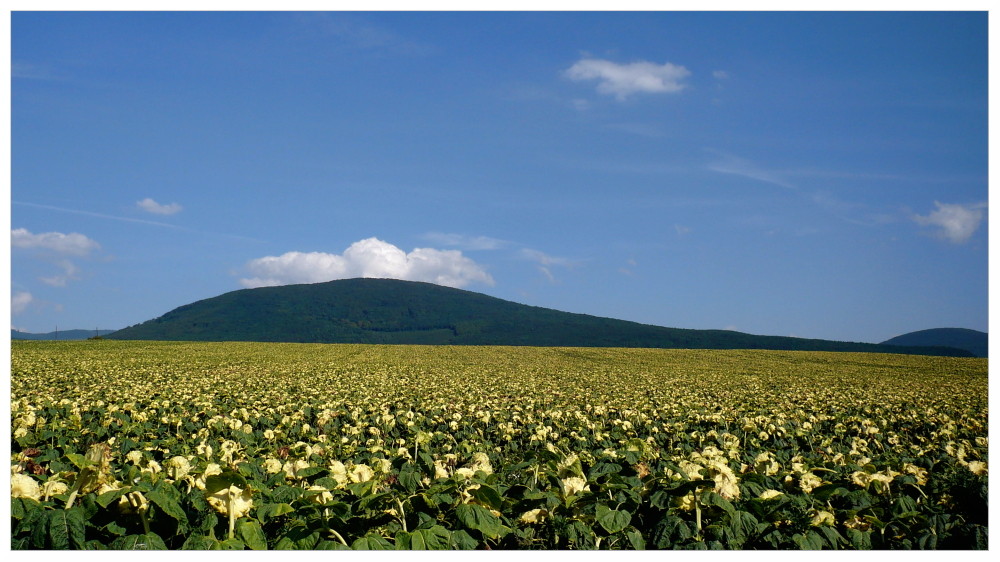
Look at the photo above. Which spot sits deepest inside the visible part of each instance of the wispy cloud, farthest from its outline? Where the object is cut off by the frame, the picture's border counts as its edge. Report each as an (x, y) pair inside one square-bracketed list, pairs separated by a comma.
[(642, 129), (151, 206), (31, 71), (465, 242), (957, 222), (69, 272), (354, 32), (623, 80), (793, 178), (97, 215), (19, 301), (130, 219), (546, 262), (726, 163), (370, 257), (628, 270), (545, 259)]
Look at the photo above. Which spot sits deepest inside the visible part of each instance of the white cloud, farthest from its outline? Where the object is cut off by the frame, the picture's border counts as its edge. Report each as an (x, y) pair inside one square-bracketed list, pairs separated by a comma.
[(19, 301), (151, 206), (720, 74), (72, 244), (53, 247), (957, 222), (622, 80), (367, 258)]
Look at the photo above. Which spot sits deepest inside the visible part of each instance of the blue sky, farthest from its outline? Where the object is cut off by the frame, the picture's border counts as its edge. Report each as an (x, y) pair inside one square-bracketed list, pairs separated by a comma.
[(821, 175)]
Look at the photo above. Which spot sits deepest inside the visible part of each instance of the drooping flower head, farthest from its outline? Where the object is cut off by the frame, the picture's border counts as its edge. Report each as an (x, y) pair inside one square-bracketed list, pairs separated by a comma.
[(24, 486)]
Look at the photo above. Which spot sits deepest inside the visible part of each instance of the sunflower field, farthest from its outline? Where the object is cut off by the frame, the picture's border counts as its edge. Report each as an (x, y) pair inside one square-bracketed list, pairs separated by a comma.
[(172, 445)]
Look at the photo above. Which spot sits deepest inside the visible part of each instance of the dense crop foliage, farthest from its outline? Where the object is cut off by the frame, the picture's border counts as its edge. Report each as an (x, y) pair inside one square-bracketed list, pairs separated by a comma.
[(243, 445)]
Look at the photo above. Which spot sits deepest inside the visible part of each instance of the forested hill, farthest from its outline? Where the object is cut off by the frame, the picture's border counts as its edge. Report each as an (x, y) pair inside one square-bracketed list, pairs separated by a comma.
[(409, 312), (973, 341)]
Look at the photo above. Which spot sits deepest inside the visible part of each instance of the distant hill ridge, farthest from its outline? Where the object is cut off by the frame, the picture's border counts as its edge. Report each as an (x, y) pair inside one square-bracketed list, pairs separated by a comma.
[(973, 341), (59, 335), (410, 312)]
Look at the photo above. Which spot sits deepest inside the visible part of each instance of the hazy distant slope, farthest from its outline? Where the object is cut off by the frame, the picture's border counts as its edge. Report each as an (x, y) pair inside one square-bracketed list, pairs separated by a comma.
[(392, 311), (973, 341), (60, 335)]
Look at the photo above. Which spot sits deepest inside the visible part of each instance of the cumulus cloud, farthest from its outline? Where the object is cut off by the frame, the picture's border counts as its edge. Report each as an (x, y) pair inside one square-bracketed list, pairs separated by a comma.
[(151, 206), (19, 302), (957, 222), (70, 244), (623, 80), (370, 257)]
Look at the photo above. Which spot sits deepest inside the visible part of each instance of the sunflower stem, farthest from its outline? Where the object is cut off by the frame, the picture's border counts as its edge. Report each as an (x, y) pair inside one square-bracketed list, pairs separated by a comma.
[(697, 513), (402, 514), (232, 515), (339, 538)]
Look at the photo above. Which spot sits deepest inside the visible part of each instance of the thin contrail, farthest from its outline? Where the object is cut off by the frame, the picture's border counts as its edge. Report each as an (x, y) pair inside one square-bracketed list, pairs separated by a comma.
[(129, 219)]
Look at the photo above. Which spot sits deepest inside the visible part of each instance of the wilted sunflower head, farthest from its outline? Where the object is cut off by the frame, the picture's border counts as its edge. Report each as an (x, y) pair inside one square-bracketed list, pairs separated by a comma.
[(24, 486), (54, 488), (319, 495), (178, 467), (133, 502), (231, 500), (726, 481), (685, 502), (533, 516), (823, 518), (769, 495), (361, 473), (480, 461), (212, 469), (978, 468), (100, 454), (809, 481), (574, 485)]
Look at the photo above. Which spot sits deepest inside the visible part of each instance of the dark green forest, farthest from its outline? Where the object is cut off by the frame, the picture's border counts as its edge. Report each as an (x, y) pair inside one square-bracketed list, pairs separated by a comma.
[(387, 311)]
